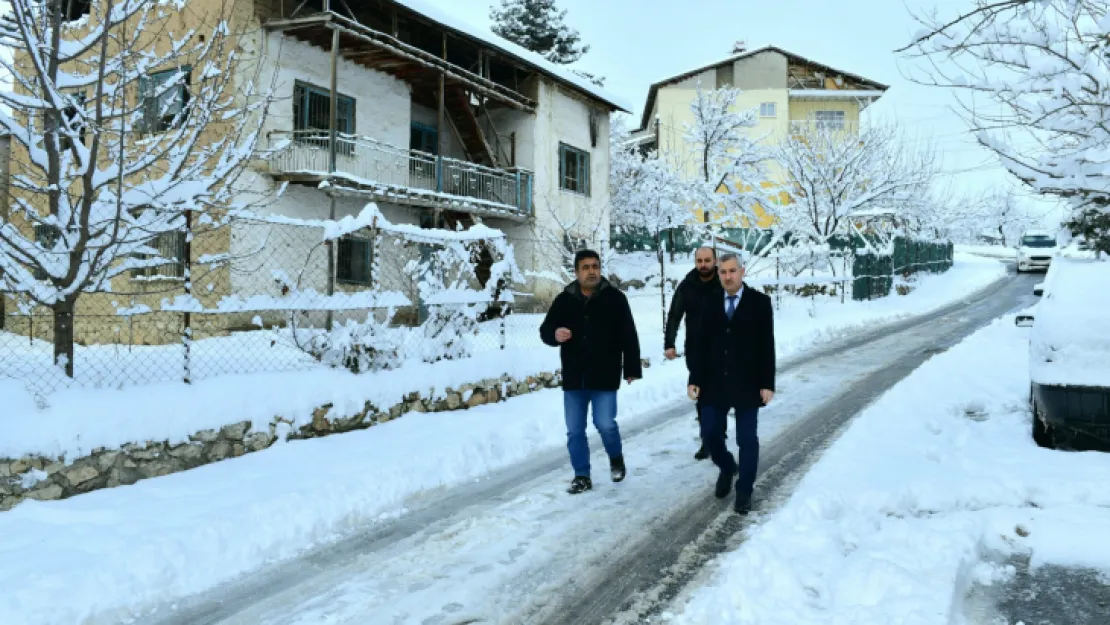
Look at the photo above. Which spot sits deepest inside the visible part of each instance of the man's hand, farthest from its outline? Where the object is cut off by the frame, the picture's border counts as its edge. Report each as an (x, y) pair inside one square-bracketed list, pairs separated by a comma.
[(670, 354), (766, 396), (562, 335), (631, 380), (693, 392)]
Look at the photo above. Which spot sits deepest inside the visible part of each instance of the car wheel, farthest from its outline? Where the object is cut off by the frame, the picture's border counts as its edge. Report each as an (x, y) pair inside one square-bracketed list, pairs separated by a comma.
[(1042, 432)]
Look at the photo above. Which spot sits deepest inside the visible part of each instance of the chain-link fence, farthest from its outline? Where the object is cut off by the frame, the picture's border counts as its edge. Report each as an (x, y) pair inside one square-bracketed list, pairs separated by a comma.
[(254, 296), (271, 295)]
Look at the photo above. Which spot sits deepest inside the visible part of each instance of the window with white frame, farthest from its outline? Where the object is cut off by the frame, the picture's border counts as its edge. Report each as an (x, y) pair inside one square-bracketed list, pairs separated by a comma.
[(832, 120), (768, 109)]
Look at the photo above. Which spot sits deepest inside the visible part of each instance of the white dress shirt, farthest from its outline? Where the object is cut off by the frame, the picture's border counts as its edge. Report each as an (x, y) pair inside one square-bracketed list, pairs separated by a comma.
[(738, 296)]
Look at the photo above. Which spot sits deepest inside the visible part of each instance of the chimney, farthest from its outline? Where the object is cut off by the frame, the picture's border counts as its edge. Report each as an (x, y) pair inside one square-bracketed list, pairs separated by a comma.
[(740, 47)]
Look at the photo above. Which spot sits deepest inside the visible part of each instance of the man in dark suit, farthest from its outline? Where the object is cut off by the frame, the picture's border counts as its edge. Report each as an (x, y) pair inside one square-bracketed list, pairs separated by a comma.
[(592, 325), (733, 368), (699, 285)]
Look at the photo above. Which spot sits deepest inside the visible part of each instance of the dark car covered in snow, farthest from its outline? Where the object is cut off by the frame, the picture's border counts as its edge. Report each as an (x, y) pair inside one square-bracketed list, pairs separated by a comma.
[(1069, 355)]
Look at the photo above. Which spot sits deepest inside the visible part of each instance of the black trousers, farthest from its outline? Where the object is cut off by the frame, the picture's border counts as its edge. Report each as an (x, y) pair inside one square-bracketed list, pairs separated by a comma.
[(723, 422)]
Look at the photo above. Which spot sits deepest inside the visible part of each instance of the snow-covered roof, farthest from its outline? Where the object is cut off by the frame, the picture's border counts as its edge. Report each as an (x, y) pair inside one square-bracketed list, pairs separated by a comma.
[(877, 86), (1070, 340), (473, 31)]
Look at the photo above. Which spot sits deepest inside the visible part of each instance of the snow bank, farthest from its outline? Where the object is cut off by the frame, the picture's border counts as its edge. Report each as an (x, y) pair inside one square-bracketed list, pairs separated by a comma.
[(1070, 341), (117, 551), (905, 510)]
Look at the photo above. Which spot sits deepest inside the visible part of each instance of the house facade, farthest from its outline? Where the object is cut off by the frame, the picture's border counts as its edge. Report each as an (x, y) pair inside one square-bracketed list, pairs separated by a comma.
[(789, 92), (391, 102)]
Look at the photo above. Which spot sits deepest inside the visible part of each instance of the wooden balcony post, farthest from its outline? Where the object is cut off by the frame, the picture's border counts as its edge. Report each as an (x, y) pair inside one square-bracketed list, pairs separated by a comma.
[(333, 122)]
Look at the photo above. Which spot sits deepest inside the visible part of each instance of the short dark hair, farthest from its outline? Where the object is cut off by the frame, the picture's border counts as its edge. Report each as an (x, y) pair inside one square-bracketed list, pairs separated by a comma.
[(582, 255), (712, 250)]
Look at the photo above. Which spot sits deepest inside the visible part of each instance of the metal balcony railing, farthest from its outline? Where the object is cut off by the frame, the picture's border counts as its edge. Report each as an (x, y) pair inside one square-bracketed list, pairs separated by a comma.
[(369, 162), (810, 126)]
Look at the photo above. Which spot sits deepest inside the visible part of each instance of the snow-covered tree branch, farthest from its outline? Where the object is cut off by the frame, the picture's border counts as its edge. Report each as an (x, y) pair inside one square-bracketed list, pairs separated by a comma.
[(1044, 65), (730, 166), (117, 140), (836, 173)]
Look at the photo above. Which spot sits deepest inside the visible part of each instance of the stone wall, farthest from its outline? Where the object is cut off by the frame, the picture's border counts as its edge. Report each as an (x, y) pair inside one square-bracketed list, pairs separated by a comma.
[(42, 478)]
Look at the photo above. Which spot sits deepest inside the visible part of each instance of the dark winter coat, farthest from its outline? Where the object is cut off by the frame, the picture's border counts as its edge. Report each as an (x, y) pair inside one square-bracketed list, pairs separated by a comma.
[(731, 361), (603, 338), (687, 303)]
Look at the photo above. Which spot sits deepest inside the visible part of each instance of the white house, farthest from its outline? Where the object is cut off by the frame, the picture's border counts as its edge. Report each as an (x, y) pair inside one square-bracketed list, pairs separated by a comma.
[(437, 122)]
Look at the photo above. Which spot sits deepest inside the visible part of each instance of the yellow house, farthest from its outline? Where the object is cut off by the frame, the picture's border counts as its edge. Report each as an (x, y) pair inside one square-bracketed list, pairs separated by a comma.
[(788, 92)]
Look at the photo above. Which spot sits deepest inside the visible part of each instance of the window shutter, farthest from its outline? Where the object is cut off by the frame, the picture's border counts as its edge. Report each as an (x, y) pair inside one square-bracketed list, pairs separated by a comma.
[(584, 176), (562, 167), (369, 277)]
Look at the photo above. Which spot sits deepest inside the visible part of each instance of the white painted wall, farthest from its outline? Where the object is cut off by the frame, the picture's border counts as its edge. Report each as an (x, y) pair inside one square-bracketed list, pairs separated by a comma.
[(382, 102), (564, 118), (429, 117)]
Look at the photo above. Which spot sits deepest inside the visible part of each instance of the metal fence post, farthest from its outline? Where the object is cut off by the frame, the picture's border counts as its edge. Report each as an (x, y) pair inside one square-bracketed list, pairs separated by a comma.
[(187, 322)]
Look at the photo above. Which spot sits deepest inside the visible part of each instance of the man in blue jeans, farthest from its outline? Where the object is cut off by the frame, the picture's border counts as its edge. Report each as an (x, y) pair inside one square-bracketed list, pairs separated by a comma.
[(591, 324), (733, 368)]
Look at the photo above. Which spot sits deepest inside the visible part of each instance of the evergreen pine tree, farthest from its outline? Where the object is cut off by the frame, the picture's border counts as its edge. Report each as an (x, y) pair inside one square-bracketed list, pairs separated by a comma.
[(537, 25)]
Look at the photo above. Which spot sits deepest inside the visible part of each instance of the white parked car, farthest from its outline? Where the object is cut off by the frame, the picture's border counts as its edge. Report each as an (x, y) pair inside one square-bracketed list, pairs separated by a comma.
[(1035, 250), (1069, 355)]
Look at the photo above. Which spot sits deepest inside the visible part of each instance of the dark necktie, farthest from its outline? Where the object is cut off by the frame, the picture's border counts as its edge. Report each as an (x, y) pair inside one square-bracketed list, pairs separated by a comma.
[(731, 306)]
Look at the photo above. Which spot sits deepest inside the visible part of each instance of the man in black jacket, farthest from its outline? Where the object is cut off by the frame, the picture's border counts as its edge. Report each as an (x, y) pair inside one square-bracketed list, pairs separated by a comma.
[(700, 283), (591, 324), (733, 368)]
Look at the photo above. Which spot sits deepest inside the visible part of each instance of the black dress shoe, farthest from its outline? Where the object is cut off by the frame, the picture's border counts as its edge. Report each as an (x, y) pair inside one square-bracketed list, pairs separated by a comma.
[(702, 453), (724, 484), (743, 504)]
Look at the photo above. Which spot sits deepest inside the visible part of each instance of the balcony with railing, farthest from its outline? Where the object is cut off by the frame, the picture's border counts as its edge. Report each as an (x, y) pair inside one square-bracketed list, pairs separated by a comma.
[(823, 126), (389, 173)]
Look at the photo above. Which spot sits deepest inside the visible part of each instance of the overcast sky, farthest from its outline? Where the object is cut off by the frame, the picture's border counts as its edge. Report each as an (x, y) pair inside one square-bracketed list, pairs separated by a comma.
[(637, 42)]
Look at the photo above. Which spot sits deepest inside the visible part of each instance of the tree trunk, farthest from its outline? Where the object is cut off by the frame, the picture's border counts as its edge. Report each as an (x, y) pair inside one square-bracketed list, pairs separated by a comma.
[(63, 334), (662, 276)]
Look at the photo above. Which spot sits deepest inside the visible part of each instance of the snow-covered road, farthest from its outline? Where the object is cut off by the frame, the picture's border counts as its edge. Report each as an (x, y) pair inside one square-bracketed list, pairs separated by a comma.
[(514, 548)]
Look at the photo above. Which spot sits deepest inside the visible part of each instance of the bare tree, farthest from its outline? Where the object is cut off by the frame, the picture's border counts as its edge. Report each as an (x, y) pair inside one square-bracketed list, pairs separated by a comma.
[(836, 174), (730, 164), (1044, 64), (648, 194), (123, 130)]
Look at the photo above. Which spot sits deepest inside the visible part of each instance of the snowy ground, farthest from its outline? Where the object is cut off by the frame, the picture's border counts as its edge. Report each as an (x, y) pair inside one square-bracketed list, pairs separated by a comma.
[(120, 550), (77, 420), (930, 494), (990, 251)]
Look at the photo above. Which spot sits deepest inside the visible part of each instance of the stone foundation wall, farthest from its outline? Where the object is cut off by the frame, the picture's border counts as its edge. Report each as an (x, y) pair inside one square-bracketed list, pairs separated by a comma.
[(42, 478)]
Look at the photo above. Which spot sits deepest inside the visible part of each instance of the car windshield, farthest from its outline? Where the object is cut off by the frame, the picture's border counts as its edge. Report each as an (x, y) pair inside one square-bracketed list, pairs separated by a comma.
[(1038, 241)]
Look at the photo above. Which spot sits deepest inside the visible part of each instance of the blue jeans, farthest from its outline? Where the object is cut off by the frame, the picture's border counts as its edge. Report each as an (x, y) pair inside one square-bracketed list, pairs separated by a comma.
[(575, 406), (747, 437)]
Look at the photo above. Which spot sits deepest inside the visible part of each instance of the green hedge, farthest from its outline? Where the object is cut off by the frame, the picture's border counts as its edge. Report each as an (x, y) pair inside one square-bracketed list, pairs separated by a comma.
[(873, 274)]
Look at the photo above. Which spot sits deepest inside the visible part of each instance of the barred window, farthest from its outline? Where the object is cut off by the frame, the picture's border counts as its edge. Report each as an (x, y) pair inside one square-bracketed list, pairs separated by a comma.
[(165, 98), (353, 260), (171, 248), (47, 237)]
